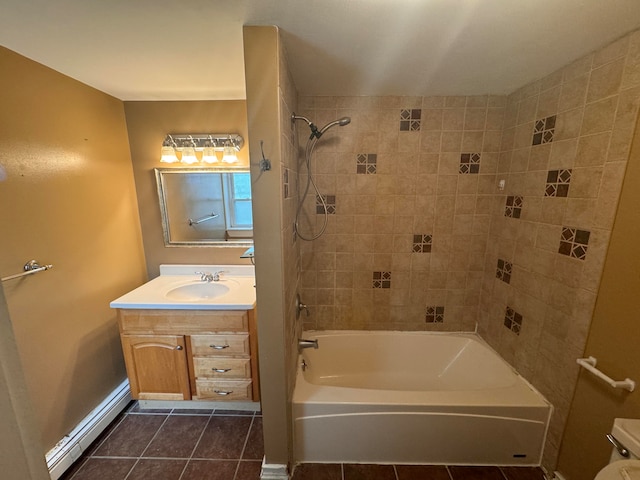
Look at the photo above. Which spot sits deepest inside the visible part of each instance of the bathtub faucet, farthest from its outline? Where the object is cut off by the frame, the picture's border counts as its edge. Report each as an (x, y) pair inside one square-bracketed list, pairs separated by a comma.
[(302, 344)]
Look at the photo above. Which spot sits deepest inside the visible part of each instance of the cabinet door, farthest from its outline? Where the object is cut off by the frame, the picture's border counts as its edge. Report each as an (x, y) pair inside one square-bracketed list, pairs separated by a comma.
[(156, 366)]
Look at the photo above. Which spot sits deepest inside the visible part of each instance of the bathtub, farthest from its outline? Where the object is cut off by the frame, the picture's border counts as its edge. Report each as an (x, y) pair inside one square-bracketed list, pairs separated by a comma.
[(414, 398)]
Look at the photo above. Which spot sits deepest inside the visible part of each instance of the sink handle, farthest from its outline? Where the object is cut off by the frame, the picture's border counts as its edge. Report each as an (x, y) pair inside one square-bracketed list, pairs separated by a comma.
[(216, 275)]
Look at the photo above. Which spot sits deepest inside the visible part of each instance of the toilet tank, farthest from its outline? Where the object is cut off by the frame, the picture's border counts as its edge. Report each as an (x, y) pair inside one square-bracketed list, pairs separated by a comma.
[(626, 431)]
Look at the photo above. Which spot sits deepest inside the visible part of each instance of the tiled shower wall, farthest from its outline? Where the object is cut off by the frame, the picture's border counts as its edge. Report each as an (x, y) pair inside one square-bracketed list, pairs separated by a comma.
[(409, 186), (287, 96), (564, 151), (421, 235)]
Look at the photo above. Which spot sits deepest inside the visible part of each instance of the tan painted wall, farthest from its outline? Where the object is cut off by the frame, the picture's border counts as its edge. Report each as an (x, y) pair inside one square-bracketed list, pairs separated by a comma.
[(69, 200), (148, 123), (613, 339), (264, 119), (20, 447)]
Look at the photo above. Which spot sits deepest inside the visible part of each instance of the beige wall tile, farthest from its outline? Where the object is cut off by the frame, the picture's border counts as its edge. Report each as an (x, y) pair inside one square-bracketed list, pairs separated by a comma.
[(569, 124), (599, 116), (548, 103), (592, 150), (585, 182), (573, 93), (605, 81)]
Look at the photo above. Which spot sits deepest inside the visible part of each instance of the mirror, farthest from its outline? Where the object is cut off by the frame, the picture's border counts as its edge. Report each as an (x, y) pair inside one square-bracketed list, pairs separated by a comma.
[(205, 206)]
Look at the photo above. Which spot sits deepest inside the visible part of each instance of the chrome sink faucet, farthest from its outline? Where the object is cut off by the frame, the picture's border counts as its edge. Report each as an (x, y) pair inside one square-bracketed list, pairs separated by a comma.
[(208, 277)]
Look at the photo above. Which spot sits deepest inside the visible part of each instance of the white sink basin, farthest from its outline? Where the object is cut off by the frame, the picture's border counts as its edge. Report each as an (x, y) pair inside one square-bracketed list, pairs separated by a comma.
[(197, 291), (179, 287)]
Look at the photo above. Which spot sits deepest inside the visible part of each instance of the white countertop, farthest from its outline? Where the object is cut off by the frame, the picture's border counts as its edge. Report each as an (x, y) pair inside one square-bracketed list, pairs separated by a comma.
[(240, 280)]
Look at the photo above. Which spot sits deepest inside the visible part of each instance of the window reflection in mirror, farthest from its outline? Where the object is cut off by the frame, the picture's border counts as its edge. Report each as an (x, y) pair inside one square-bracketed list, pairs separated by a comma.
[(205, 206)]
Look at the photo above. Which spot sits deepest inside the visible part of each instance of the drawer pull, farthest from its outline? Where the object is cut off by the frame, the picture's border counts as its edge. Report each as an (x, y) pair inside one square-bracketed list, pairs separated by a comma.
[(222, 392), (219, 347), (221, 370), (178, 347)]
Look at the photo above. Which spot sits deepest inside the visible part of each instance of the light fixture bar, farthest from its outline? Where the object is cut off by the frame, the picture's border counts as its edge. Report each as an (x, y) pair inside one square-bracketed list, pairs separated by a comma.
[(200, 141)]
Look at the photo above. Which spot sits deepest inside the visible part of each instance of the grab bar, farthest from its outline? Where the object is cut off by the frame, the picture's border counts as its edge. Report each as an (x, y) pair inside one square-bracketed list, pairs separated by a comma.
[(590, 365), (29, 268), (203, 219)]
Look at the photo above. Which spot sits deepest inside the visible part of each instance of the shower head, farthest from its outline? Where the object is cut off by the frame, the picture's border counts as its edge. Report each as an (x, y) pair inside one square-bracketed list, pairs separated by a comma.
[(314, 130), (341, 122)]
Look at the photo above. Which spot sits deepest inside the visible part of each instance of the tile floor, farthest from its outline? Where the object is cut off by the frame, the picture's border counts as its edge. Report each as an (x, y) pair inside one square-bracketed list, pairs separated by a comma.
[(227, 445), (175, 445)]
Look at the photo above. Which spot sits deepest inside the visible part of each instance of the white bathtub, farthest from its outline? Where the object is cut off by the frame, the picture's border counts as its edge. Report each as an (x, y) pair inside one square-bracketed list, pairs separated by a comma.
[(414, 397)]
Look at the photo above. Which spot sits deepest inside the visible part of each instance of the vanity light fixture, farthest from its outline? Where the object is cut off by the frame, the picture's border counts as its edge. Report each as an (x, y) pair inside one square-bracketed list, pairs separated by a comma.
[(202, 147)]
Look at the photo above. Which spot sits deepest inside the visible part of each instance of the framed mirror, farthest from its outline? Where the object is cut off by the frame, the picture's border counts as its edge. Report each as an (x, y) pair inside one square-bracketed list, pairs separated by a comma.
[(205, 206)]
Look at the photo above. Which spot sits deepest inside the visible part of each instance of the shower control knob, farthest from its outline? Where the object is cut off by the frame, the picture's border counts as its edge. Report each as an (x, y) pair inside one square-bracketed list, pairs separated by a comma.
[(300, 307)]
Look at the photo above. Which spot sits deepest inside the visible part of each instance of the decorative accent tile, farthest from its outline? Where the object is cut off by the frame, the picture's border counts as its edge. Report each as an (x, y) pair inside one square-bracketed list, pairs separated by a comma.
[(410, 120), (558, 183), (435, 314), (574, 242), (513, 207), (513, 320), (422, 243), (366, 163), (543, 130), (504, 270), (285, 183), (330, 200), (469, 163), (381, 279)]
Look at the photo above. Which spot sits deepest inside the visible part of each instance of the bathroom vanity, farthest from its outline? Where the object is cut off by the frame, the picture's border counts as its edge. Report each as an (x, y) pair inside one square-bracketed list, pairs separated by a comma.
[(186, 336)]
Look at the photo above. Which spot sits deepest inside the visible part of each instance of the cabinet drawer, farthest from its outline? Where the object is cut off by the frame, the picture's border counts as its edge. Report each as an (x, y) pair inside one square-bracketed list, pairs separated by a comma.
[(222, 367), (208, 345), (222, 390), (182, 322)]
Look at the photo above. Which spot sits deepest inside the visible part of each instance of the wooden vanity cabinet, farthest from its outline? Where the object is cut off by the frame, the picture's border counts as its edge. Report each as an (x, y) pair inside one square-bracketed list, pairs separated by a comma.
[(190, 354)]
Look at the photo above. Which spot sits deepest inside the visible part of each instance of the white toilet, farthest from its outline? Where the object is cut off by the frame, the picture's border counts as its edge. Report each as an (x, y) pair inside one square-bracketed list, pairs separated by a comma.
[(625, 435)]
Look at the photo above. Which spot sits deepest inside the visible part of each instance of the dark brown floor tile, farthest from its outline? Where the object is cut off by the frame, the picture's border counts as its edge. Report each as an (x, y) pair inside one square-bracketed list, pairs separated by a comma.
[(105, 469), (317, 471), (154, 469), (369, 472), (422, 472), (523, 473), (476, 473), (223, 437), (210, 470), (177, 437), (103, 435), (249, 470), (254, 450), (131, 436), (70, 472)]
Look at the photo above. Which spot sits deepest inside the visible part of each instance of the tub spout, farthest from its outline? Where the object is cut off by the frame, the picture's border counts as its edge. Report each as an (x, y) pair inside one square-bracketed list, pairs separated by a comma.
[(302, 344)]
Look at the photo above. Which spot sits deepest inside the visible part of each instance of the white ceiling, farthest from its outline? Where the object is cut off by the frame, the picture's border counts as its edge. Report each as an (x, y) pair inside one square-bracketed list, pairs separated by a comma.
[(192, 49)]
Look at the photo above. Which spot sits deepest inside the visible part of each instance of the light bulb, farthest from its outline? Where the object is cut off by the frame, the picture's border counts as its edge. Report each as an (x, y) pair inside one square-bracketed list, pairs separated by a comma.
[(168, 154), (209, 155), (229, 154), (189, 155)]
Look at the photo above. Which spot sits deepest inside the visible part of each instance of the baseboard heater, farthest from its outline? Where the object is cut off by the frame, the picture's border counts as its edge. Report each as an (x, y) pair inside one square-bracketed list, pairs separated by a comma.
[(71, 447)]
